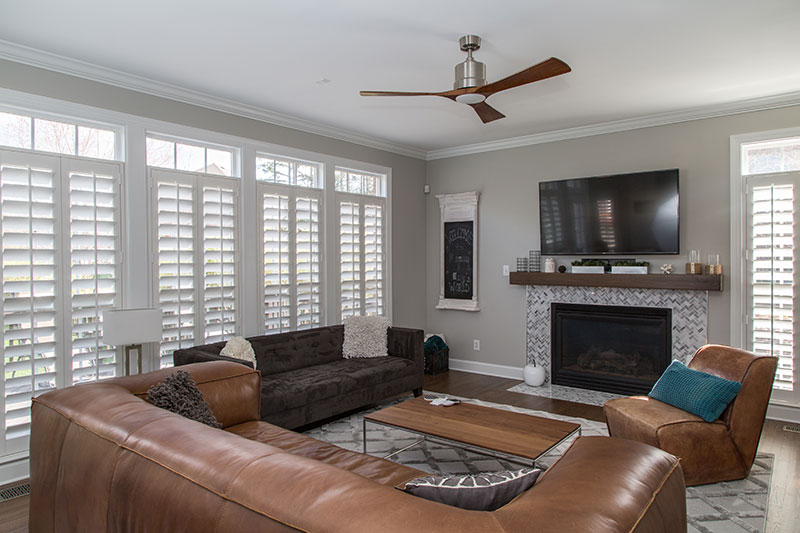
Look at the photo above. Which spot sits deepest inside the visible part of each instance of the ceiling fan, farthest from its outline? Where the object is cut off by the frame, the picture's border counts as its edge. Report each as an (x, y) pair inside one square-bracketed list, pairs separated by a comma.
[(471, 88)]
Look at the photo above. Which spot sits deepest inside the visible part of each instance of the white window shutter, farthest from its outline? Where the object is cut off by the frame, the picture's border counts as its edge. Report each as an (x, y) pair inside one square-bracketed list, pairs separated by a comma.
[(277, 309), (307, 262), (373, 259), (196, 221), (29, 263), (175, 244), (772, 297), (219, 262), (93, 203), (350, 258)]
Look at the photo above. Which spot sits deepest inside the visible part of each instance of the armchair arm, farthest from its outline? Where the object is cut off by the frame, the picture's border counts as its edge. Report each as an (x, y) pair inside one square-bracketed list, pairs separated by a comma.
[(407, 343)]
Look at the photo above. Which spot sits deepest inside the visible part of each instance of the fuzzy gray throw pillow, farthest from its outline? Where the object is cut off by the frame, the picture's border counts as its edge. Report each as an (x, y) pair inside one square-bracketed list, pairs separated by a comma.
[(179, 393)]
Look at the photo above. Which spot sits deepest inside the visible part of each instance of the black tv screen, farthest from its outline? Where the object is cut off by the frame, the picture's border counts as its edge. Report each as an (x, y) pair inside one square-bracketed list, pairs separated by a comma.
[(622, 214)]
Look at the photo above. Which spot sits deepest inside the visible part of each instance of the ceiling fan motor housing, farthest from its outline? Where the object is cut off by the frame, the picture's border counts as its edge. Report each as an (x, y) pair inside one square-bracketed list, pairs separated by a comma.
[(470, 73)]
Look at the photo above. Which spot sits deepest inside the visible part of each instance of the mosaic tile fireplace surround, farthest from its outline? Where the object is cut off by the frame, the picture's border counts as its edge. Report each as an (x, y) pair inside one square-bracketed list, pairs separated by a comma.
[(689, 315)]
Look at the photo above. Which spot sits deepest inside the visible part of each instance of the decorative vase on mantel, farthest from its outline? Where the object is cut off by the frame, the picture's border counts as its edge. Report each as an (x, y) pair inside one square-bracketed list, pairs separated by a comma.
[(533, 375)]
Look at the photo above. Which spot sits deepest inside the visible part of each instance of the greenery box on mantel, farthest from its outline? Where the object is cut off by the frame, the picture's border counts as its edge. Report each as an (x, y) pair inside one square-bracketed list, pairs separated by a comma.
[(576, 269)]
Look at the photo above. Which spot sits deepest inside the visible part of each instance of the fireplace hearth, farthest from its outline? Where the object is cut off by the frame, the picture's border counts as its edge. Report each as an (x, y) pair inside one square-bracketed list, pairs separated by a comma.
[(609, 348)]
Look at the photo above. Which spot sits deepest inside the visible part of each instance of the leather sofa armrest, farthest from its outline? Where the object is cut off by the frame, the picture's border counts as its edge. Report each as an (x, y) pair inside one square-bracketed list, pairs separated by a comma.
[(604, 484), (407, 343)]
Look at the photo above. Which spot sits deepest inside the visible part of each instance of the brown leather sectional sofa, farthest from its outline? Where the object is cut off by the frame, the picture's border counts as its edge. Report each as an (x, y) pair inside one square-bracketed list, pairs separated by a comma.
[(103, 459), (304, 378)]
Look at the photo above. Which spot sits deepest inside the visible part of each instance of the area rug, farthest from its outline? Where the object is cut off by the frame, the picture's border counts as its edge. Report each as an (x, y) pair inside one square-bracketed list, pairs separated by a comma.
[(737, 506), (571, 394)]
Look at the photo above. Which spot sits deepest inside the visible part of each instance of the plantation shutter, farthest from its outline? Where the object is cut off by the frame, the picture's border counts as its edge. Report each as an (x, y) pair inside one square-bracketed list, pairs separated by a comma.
[(373, 259), (772, 284), (174, 211), (277, 312), (361, 255), (307, 262), (196, 239), (291, 255), (28, 215), (94, 265), (60, 268), (350, 258), (219, 262)]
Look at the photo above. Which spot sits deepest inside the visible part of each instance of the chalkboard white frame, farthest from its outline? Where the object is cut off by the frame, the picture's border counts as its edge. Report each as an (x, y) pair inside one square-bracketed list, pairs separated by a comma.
[(461, 207)]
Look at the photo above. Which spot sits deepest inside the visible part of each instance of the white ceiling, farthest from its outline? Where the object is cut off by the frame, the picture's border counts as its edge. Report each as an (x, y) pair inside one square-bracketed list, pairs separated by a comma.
[(629, 58)]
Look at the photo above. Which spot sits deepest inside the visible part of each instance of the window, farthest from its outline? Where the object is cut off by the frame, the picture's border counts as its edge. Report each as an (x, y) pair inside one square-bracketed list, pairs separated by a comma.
[(356, 182), (184, 155), (771, 174), (291, 250), (34, 133), (196, 222), (361, 239), (60, 270), (284, 171)]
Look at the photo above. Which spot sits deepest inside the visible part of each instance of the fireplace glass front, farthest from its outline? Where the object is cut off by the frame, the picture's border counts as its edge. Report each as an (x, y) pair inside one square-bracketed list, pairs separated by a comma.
[(615, 349)]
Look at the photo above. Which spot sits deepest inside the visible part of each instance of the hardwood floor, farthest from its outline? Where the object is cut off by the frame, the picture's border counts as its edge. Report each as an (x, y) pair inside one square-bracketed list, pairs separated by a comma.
[(784, 499)]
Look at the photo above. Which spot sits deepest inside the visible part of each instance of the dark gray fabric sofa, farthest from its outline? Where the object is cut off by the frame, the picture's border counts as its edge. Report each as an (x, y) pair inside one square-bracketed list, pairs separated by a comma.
[(304, 377)]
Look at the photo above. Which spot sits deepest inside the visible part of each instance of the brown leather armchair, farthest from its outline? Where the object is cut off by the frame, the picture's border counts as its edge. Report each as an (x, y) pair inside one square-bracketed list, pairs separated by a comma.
[(722, 450)]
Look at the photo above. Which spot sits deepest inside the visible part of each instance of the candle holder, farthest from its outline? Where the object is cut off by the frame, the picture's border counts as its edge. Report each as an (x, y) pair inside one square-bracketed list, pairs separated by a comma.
[(694, 266)]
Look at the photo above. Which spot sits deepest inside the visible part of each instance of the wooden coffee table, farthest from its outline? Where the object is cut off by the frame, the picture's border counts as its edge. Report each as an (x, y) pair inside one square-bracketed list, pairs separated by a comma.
[(481, 429)]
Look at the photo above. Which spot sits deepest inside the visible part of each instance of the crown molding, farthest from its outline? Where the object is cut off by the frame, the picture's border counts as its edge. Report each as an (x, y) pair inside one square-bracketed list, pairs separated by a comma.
[(73, 67), (661, 119)]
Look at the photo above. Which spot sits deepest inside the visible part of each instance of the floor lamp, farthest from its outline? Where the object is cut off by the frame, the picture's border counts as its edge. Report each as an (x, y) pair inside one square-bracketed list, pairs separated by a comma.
[(131, 328)]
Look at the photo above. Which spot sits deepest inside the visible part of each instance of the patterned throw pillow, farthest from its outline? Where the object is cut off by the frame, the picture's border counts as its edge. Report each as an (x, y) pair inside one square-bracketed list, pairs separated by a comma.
[(699, 393), (365, 336), (476, 492), (179, 393)]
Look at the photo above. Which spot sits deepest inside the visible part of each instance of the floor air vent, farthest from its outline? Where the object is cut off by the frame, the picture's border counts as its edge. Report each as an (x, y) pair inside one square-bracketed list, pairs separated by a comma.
[(15, 492), (793, 429)]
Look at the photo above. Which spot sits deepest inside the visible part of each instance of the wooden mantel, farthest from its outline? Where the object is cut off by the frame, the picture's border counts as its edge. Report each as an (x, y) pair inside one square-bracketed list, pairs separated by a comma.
[(698, 282)]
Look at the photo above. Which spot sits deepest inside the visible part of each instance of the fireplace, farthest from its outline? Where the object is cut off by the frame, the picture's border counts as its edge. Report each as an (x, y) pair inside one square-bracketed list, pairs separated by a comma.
[(609, 348)]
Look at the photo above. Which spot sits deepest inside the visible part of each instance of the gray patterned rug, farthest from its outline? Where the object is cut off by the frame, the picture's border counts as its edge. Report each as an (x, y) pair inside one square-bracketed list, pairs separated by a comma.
[(737, 506)]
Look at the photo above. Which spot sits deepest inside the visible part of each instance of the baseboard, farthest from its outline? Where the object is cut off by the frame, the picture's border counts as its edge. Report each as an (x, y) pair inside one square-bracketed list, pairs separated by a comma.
[(15, 470), (784, 413), (487, 369)]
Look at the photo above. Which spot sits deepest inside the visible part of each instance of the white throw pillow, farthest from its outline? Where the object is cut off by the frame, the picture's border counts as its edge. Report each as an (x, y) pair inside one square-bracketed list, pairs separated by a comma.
[(239, 348), (365, 336)]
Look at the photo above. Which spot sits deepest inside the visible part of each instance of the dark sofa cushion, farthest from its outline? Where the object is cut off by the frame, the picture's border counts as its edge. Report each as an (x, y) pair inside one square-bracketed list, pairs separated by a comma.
[(281, 353), (303, 386)]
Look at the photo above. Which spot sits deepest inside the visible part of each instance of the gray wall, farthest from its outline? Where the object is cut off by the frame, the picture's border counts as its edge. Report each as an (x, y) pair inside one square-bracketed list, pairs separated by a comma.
[(408, 174), (509, 220)]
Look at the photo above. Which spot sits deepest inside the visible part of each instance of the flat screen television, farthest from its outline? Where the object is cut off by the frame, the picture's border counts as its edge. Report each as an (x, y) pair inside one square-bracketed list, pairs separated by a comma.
[(623, 214)]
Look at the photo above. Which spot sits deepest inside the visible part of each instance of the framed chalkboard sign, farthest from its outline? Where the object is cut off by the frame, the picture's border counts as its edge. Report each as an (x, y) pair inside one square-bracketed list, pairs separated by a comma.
[(459, 251)]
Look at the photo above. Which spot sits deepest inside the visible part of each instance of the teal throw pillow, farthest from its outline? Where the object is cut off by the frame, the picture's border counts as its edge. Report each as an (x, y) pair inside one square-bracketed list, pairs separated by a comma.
[(697, 392)]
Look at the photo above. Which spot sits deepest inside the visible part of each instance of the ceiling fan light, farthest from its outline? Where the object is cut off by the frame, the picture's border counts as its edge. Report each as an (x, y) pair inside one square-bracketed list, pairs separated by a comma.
[(470, 98)]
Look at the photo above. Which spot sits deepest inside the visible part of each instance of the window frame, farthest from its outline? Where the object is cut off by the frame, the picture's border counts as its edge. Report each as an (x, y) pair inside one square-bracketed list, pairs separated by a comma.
[(119, 131), (779, 408)]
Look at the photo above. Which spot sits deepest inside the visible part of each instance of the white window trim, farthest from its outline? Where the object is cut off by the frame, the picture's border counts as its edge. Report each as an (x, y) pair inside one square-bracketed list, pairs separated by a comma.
[(778, 409), (738, 235)]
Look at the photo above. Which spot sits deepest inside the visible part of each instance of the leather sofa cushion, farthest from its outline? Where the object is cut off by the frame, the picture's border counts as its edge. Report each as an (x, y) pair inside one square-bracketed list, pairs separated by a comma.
[(374, 468), (303, 386)]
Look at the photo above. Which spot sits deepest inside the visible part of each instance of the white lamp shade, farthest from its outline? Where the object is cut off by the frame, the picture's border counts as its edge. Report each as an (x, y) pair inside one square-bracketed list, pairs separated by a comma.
[(122, 327)]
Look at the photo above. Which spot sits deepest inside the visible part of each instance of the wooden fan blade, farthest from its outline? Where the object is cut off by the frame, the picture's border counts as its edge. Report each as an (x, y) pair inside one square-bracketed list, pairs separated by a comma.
[(541, 71), (486, 112), (394, 93)]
